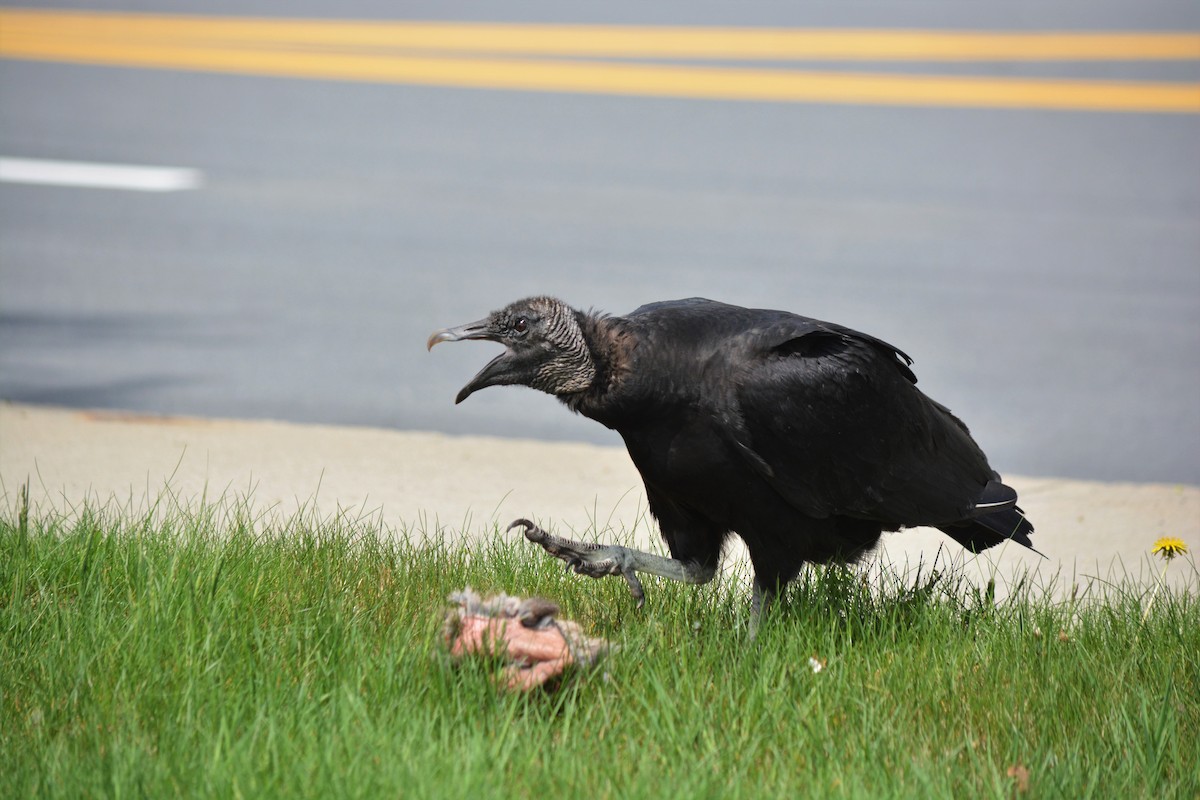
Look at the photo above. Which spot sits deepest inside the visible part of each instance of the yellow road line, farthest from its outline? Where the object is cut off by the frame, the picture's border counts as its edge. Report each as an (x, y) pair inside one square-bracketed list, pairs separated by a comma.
[(628, 79), (240, 46), (618, 41)]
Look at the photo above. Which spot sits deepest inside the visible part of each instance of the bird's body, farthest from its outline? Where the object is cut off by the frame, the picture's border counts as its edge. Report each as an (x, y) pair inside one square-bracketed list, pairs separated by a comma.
[(805, 438)]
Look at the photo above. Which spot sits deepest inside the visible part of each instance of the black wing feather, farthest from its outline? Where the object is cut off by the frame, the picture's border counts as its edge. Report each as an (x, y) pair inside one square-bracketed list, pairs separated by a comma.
[(837, 418), (830, 417)]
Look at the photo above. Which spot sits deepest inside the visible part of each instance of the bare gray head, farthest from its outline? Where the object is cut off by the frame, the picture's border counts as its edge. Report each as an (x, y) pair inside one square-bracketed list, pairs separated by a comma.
[(544, 348)]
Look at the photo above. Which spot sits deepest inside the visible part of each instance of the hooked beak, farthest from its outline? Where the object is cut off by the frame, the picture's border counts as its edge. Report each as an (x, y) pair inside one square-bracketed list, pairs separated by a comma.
[(495, 372), (472, 330)]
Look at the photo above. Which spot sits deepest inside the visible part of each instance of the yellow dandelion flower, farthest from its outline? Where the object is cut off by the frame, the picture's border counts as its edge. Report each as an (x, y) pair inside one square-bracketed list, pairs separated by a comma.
[(1168, 547)]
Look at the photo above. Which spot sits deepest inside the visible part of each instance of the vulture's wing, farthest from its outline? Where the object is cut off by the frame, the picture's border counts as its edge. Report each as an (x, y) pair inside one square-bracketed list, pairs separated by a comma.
[(832, 418)]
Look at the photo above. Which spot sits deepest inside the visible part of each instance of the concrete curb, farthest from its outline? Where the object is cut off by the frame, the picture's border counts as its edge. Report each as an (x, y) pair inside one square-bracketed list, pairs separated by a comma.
[(454, 486)]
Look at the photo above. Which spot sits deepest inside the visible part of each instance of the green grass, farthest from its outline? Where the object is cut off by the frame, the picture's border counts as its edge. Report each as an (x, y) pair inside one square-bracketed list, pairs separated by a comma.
[(210, 652)]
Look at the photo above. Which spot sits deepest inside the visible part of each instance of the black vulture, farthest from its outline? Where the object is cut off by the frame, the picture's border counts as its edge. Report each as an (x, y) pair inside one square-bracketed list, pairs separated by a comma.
[(805, 438)]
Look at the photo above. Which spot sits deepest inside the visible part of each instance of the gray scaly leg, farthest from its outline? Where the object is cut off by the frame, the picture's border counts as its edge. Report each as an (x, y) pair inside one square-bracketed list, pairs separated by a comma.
[(597, 560), (760, 600)]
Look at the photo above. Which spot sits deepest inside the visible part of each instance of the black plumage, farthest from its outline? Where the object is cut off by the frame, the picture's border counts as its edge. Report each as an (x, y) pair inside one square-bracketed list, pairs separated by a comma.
[(805, 438)]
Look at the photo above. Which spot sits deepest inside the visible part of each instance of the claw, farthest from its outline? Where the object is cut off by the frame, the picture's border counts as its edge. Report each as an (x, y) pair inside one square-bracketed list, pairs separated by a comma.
[(635, 587), (597, 561), (565, 549), (529, 528), (576, 555)]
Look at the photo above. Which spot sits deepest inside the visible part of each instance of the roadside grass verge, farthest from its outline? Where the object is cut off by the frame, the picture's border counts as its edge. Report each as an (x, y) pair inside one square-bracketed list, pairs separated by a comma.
[(210, 651)]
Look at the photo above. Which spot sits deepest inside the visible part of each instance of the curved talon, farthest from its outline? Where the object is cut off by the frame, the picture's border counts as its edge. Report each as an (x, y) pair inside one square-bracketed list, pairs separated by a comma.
[(530, 529), (553, 544)]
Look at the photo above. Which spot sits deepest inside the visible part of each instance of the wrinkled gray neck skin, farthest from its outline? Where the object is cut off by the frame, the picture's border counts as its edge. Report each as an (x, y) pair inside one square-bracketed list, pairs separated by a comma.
[(571, 368)]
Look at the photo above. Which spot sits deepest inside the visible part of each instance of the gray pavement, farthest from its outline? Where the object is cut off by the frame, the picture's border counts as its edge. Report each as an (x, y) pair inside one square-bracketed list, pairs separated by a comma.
[(1043, 267)]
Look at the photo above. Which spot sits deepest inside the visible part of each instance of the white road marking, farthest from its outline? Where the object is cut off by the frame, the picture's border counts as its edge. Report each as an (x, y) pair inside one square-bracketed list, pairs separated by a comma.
[(99, 176)]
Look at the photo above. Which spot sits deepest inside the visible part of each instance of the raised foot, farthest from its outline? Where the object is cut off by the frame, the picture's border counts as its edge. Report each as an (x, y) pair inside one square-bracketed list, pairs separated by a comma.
[(586, 558)]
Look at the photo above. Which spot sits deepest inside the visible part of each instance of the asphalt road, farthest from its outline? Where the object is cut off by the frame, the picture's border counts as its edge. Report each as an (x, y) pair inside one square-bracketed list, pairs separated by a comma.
[(1041, 265)]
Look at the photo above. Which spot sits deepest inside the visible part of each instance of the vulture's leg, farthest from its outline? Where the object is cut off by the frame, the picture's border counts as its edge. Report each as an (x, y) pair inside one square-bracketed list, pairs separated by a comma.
[(599, 560), (761, 596)]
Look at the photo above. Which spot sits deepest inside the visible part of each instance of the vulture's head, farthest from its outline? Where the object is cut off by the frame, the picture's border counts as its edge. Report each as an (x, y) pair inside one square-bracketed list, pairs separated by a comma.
[(544, 348)]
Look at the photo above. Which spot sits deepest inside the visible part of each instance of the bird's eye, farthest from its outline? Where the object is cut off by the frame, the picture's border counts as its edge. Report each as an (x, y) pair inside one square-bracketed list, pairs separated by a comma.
[(521, 325)]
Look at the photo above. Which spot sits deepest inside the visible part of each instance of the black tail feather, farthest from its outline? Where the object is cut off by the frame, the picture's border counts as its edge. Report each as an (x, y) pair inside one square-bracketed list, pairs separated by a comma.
[(996, 518)]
